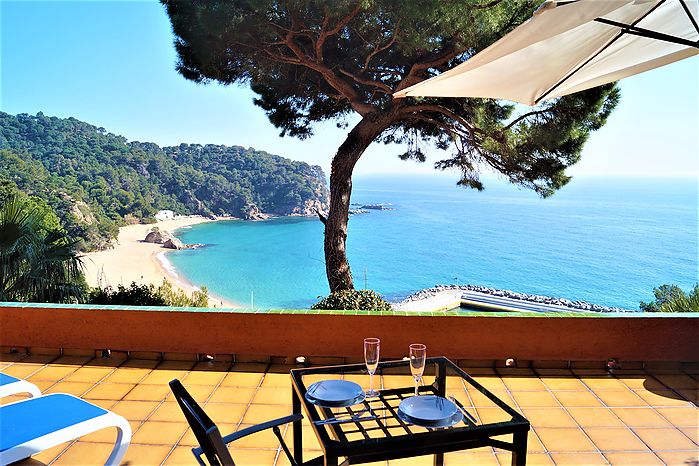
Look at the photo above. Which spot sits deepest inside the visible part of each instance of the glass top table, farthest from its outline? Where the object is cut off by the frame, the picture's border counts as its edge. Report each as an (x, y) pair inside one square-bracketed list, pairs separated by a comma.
[(372, 431)]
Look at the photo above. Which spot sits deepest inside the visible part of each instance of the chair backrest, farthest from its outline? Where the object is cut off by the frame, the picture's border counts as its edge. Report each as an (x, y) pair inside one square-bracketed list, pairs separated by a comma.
[(204, 428)]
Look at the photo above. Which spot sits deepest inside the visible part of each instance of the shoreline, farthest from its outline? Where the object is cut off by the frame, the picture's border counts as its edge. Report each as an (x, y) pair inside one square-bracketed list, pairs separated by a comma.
[(116, 266), (443, 296)]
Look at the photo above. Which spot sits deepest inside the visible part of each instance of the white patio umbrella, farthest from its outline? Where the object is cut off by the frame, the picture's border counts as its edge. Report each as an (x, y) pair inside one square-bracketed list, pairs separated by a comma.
[(569, 46)]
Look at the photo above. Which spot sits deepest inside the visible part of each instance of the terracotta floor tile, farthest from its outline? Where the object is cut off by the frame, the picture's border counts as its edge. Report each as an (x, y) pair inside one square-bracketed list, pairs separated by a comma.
[(615, 439), (627, 399), (89, 374), (135, 410), (533, 459), (548, 417), (159, 433), (308, 436), (239, 395), (491, 383), (595, 417), (534, 399), (47, 456), (564, 440), (162, 377), (169, 412), (577, 399), (72, 388), (146, 455), (273, 396), (52, 373), (690, 395), (664, 439), (148, 393), (280, 380), (681, 416), (252, 457), (633, 458), (242, 379), (21, 371), (203, 378), (662, 398), (200, 393), (584, 459), (645, 382), (692, 433), (105, 404), (128, 375), (679, 458), (491, 415), (84, 453), (109, 391), (257, 414), (180, 456), (640, 417), (226, 413), (466, 458), (480, 400), (677, 381), (563, 383), (608, 382), (524, 384)]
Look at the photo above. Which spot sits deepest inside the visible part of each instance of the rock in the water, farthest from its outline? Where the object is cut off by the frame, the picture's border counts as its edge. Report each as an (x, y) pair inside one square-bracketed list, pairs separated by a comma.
[(174, 243)]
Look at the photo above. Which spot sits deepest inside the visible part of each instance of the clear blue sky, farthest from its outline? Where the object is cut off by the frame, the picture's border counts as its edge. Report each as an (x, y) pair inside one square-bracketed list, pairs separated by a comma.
[(112, 64)]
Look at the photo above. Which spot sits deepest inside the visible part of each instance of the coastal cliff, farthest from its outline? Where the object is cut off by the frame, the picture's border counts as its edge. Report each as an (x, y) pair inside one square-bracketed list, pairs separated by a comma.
[(96, 181)]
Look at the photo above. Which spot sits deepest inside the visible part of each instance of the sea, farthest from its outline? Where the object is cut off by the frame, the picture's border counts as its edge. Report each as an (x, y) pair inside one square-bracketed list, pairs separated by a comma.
[(608, 241)]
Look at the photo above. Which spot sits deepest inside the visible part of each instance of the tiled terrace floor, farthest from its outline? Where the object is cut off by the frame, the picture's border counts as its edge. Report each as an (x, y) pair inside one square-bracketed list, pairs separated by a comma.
[(582, 416)]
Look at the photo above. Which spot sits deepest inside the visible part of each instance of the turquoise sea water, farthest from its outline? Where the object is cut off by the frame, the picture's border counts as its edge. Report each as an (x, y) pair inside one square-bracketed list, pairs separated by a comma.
[(607, 241)]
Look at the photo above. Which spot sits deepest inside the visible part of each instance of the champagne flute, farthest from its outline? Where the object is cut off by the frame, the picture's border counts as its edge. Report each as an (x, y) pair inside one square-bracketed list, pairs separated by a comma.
[(418, 354), (372, 348)]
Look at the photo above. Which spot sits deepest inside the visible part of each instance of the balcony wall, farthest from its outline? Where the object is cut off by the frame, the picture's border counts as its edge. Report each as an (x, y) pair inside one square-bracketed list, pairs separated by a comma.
[(481, 336)]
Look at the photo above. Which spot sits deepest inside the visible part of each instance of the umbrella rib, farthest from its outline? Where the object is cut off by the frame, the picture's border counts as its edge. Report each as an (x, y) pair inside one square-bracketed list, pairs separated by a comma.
[(642, 32), (689, 14), (614, 39)]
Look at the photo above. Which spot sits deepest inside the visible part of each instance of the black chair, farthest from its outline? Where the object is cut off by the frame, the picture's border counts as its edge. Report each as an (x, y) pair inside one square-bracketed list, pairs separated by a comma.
[(212, 444)]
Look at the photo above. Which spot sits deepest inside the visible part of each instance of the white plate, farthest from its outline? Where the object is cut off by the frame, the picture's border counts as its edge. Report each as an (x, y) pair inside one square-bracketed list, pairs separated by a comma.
[(429, 410), (335, 393)]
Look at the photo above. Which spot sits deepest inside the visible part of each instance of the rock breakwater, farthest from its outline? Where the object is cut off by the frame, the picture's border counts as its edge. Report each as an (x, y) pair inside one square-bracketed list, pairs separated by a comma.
[(576, 305)]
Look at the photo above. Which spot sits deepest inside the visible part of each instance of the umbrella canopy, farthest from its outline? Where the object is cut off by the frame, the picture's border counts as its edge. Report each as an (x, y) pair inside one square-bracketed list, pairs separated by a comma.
[(569, 46)]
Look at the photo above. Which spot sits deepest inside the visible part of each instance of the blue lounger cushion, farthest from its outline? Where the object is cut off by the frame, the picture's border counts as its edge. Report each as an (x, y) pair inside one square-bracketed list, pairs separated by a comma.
[(7, 379), (11, 385), (40, 416), (36, 424)]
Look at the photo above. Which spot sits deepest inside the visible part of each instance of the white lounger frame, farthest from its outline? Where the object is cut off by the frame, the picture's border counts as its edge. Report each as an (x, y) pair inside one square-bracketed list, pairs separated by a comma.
[(73, 432), (20, 386)]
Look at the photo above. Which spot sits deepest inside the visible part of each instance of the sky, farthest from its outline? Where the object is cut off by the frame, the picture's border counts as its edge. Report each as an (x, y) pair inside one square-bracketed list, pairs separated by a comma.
[(112, 64)]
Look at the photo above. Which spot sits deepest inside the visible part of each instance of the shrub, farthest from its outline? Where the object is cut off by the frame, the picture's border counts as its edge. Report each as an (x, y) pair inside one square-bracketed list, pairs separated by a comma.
[(671, 298), (367, 300), (149, 295)]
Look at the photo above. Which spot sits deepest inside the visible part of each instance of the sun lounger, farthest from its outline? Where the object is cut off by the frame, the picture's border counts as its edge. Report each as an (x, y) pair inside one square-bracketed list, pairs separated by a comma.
[(30, 426), (11, 385)]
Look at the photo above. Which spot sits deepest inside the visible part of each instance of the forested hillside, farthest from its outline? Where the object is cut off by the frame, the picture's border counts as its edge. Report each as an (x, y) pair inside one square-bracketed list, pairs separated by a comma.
[(96, 181)]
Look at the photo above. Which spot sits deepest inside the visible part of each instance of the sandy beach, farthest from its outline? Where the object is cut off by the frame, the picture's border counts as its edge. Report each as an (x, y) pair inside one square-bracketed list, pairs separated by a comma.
[(132, 260)]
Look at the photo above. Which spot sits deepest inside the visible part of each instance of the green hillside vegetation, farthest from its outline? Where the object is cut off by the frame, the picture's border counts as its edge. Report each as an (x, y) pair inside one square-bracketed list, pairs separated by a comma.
[(96, 181)]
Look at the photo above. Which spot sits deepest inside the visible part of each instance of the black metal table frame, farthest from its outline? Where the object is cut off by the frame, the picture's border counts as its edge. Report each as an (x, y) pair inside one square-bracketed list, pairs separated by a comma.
[(434, 441)]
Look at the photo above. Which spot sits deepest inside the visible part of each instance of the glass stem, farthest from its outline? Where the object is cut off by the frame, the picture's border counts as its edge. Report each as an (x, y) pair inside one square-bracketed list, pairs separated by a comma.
[(371, 385), (416, 385)]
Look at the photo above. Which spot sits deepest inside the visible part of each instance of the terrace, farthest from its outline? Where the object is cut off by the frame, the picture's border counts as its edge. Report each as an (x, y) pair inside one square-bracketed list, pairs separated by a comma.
[(237, 365)]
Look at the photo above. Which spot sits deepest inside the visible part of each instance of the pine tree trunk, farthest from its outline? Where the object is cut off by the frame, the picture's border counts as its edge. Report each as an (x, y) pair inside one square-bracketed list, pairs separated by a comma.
[(337, 267)]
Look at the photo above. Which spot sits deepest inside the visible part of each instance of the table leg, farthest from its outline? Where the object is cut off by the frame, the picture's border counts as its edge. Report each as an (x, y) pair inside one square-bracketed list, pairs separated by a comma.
[(297, 428), (441, 378), (439, 459), (330, 460), (519, 454)]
